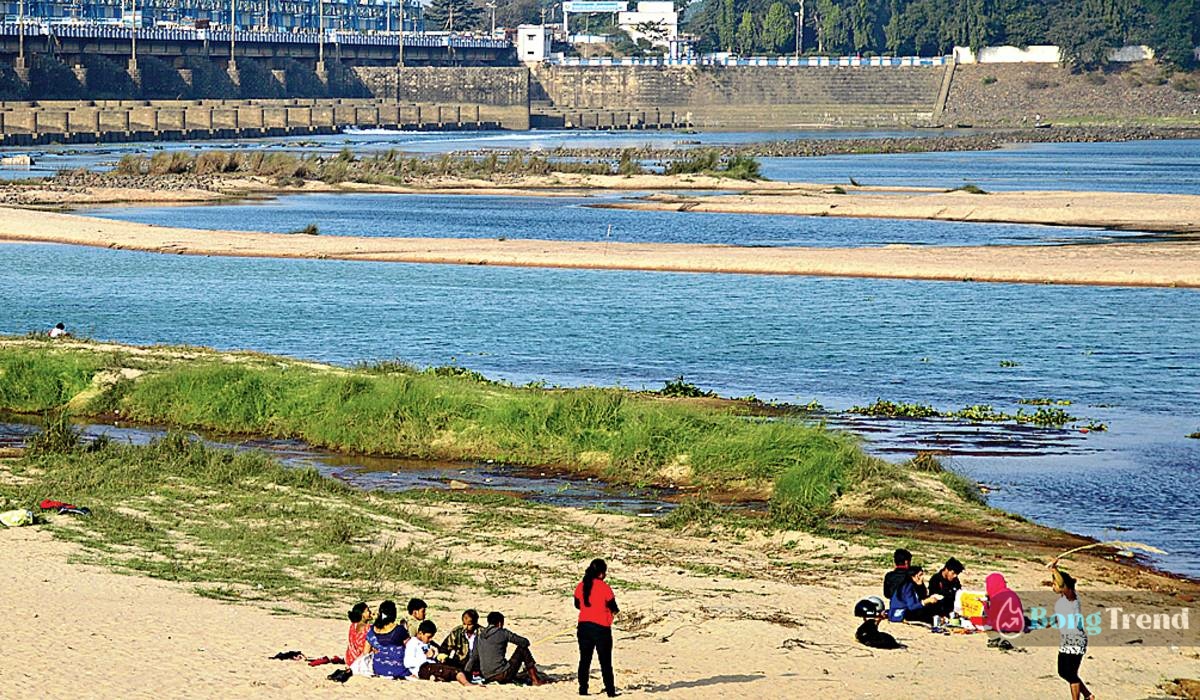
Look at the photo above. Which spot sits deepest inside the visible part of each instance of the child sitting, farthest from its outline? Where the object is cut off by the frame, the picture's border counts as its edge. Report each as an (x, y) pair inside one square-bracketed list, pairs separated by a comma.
[(419, 652)]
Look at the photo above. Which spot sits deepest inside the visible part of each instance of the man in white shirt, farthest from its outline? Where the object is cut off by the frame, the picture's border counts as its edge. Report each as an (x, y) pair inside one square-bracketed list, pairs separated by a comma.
[(419, 653), (58, 331)]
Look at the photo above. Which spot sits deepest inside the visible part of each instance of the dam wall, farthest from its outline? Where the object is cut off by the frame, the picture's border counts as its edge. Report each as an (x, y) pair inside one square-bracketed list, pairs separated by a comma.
[(493, 95), (737, 97)]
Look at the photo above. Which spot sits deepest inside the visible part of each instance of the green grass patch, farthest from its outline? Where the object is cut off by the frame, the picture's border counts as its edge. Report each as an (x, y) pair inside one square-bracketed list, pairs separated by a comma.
[(237, 523), (33, 380), (454, 413)]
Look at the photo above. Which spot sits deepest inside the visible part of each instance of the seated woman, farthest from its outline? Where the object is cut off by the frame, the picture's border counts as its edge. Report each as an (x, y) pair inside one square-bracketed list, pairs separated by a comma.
[(360, 622), (387, 638), (1004, 611), (911, 602)]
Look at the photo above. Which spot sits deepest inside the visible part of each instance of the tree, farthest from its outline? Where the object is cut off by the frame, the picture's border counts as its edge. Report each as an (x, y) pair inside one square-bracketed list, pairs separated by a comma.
[(453, 15), (746, 36), (725, 25), (778, 30)]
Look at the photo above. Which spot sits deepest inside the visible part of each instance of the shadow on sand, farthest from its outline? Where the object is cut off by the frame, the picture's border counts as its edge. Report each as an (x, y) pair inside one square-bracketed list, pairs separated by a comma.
[(701, 683)]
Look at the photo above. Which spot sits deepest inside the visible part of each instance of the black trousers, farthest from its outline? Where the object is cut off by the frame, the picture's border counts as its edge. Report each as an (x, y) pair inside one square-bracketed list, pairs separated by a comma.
[(1068, 667), (598, 638)]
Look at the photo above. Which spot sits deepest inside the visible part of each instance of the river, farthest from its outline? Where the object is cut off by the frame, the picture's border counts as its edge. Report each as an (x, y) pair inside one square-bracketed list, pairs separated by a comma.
[(1127, 357)]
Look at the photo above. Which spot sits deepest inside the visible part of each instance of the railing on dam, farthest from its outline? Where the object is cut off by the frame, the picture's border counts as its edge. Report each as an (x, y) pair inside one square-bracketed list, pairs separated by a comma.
[(775, 61), (92, 31)]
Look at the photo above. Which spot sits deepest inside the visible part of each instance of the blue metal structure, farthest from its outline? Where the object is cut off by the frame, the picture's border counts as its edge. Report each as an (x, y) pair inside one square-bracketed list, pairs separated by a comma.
[(272, 15)]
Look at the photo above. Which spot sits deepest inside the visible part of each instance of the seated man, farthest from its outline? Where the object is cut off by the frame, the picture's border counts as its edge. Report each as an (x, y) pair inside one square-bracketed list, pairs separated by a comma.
[(894, 579), (488, 657), (419, 651), (912, 602), (458, 644), (946, 584)]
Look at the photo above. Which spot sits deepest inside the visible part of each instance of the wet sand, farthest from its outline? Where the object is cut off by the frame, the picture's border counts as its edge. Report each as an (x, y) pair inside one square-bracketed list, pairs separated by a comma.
[(1166, 264)]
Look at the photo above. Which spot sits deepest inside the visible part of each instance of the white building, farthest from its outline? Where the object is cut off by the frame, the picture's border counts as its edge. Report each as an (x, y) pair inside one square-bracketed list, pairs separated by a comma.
[(533, 43), (655, 21)]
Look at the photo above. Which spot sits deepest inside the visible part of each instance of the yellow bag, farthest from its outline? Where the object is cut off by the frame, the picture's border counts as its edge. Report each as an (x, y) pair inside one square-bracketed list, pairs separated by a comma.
[(970, 604)]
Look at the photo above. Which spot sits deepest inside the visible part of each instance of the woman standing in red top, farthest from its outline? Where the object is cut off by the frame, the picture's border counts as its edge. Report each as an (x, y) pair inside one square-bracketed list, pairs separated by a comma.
[(596, 604)]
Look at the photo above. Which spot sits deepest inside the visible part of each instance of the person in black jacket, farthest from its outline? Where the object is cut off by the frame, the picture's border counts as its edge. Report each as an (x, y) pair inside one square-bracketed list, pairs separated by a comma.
[(491, 647), (946, 584), (897, 577)]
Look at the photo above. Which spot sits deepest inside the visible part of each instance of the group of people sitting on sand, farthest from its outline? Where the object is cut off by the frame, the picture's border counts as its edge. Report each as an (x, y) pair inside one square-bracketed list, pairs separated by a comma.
[(1000, 611), (382, 644)]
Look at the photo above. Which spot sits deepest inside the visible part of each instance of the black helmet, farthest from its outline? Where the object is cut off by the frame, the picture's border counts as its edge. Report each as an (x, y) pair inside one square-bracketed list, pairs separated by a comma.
[(870, 607)]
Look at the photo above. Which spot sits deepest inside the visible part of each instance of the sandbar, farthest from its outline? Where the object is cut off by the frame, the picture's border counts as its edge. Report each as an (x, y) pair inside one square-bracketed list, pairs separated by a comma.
[(1165, 264)]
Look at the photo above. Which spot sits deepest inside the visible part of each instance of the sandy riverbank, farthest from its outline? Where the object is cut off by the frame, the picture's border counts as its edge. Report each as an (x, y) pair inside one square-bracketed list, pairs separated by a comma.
[(747, 625), (1146, 264)]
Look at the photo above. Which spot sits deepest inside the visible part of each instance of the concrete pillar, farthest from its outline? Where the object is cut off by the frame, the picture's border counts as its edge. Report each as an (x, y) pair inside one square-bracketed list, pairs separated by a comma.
[(135, 74), (322, 74), (234, 76), (21, 68)]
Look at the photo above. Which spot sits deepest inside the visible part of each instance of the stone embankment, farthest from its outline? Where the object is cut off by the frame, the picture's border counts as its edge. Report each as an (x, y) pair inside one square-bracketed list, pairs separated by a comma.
[(936, 141), (1017, 95)]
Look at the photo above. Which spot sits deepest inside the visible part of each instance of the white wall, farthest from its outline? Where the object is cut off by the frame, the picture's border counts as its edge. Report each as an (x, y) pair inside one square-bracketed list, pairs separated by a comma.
[(1007, 54), (1044, 54), (533, 43)]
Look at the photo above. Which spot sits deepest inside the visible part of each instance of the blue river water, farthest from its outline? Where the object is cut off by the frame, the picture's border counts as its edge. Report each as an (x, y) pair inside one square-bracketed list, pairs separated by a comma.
[(1128, 357), (576, 219)]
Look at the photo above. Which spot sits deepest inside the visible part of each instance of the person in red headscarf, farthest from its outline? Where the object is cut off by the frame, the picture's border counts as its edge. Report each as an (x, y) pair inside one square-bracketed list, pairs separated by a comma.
[(1004, 612)]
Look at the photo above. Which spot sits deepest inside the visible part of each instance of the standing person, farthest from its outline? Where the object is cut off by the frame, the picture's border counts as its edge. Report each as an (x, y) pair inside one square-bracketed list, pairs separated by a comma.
[(597, 605), (946, 584), (488, 655), (1069, 617), (360, 621)]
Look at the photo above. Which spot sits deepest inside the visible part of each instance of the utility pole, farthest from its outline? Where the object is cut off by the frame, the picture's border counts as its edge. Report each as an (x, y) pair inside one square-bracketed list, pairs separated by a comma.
[(266, 15), (233, 71), (134, 73), (321, 74), (492, 6), (800, 31), (20, 67)]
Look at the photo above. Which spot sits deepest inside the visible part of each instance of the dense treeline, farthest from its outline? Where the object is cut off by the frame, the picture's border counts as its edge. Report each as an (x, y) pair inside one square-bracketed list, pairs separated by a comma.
[(1084, 28)]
